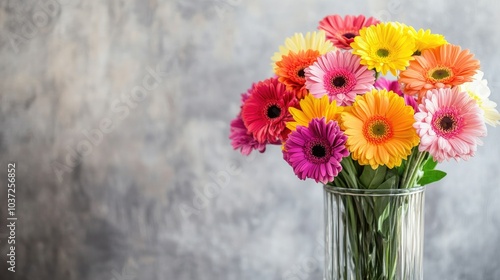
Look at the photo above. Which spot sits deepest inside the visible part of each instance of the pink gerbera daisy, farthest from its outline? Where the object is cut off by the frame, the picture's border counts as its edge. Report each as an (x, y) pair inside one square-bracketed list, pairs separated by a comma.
[(340, 76), (265, 111), (449, 124), (341, 31), (316, 151), (392, 85), (242, 139)]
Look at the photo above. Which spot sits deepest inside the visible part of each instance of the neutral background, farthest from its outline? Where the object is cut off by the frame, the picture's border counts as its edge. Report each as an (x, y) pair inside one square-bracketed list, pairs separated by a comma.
[(116, 167)]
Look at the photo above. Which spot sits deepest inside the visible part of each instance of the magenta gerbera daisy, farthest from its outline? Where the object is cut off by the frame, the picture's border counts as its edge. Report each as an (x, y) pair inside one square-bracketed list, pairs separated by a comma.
[(246, 95), (449, 124), (393, 85), (242, 139), (265, 111), (340, 76), (341, 31), (316, 151)]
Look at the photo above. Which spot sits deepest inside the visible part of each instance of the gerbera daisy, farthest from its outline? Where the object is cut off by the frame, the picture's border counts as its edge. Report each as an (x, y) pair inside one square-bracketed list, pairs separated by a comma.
[(246, 95), (425, 40), (341, 31), (242, 139), (389, 85), (384, 47), (339, 75), (478, 89), (265, 112), (291, 70), (315, 41), (449, 124), (315, 151), (441, 67), (311, 108), (379, 128)]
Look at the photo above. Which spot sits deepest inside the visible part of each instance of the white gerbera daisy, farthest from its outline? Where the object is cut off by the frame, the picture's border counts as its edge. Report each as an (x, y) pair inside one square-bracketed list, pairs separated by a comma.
[(479, 90)]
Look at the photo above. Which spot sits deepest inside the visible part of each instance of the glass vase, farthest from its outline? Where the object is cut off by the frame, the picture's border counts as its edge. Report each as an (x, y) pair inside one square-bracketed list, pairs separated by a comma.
[(373, 234)]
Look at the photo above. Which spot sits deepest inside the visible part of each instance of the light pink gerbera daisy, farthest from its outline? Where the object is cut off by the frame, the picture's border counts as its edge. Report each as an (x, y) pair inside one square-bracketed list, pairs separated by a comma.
[(265, 111), (316, 151), (242, 139), (340, 76), (449, 124), (341, 31)]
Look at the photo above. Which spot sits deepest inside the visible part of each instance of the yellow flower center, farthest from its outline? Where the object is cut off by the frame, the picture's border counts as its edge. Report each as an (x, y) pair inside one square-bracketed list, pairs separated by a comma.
[(476, 97), (377, 130)]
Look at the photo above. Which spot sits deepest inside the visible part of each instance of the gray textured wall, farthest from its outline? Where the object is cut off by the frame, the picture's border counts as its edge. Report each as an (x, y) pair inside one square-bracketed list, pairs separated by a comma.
[(131, 206)]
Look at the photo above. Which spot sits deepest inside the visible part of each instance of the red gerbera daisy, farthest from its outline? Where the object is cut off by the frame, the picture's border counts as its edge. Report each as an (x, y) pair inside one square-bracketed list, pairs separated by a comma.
[(265, 112)]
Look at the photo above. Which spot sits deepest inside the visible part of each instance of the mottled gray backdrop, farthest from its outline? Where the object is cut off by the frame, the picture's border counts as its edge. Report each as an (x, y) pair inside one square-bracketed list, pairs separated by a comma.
[(117, 112)]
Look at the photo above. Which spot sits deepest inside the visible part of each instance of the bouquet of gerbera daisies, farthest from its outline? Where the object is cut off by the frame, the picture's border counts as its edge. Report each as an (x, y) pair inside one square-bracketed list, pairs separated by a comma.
[(330, 106), (343, 121)]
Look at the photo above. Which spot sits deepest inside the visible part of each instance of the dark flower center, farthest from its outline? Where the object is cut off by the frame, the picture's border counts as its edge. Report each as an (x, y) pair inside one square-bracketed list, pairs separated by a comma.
[(349, 35), (338, 81), (382, 53), (446, 123), (301, 73), (379, 129), (273, 111), (318, 151), (440, 74)]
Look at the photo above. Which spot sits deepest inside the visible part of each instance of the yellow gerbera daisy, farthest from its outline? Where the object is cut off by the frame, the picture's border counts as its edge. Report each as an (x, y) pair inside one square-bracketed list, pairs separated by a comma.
[(384, 47), (311, 108), (315, 41), (379, 129), (425, 40)]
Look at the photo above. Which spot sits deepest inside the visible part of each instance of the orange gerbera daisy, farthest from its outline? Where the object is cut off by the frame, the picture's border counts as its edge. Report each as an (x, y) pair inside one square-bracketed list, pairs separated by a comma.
[(442, 67), (379, 129), (290, 70)]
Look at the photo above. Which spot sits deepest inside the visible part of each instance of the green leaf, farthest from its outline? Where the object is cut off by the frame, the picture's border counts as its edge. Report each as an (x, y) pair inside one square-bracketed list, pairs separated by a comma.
[(349, 173), (390, 183), (382, 226), (391, 173), (372, 178), (431, 176), (430, 164)]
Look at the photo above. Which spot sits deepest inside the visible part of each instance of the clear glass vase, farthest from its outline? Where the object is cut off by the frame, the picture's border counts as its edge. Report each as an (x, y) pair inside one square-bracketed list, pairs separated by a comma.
[(374, 234)]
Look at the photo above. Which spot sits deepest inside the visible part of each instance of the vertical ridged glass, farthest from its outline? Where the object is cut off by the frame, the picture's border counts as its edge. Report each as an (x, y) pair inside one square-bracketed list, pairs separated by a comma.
[(374, 234)]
